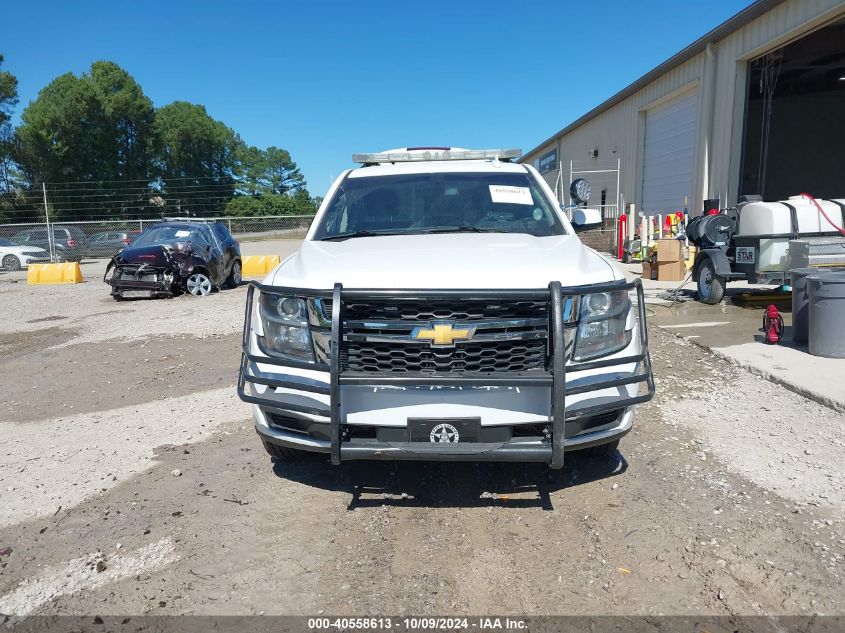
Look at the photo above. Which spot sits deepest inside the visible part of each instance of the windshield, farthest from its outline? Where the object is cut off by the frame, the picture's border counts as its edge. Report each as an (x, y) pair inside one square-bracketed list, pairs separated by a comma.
[(438, 203), (168, 235)]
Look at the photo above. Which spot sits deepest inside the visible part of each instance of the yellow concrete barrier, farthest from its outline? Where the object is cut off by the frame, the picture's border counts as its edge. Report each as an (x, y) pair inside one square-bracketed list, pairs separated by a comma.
[(690, 262), (68, 273), (258, 265)]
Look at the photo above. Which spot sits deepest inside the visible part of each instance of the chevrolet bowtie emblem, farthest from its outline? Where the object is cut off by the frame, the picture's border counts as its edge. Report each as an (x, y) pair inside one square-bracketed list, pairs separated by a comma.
[(443, 333)]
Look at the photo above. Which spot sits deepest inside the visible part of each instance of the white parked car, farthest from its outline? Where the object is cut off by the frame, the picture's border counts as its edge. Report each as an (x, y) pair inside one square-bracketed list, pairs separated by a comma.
[(441, 307), (14, 256)]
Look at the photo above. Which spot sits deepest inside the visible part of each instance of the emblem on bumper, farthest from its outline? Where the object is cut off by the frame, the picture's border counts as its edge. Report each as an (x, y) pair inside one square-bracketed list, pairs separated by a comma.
[(444, 433)]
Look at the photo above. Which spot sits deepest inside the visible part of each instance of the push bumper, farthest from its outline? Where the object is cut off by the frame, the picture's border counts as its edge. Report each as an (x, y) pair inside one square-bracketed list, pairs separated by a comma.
[(548, 449)]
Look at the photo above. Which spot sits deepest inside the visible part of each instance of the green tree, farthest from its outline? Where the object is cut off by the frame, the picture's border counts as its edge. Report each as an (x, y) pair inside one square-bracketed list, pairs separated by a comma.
[(300, 203), (92, 139), (269, 171), (8, 94), (305, 204), (270, 204), (198, 158), (131, 119), (8, 100), (61, 137)]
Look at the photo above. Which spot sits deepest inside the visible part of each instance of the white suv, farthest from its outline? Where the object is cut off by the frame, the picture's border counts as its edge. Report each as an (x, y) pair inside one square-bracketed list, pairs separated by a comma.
[(441, 307)]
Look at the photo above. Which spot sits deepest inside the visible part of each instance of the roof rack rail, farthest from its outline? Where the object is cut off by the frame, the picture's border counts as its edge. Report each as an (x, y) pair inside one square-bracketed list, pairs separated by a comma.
[(419, 154)]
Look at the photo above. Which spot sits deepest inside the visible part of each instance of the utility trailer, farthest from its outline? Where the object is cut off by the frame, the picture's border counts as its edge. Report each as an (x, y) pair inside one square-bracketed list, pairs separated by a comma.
[(760, 242)]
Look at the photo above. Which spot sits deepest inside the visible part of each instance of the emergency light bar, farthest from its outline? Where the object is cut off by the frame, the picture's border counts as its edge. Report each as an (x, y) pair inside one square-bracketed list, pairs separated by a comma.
[(413, 154)]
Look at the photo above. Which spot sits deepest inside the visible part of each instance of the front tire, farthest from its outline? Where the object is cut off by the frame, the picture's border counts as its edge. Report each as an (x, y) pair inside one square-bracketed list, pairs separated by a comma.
[(602, 450), (285, 454), (10, 263), (711, 286), (198, 284)]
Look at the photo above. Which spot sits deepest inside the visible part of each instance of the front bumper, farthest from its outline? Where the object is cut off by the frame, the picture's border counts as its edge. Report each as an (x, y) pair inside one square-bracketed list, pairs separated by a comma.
[(605, 387), (26, 260), (512, 450), (154, 281)]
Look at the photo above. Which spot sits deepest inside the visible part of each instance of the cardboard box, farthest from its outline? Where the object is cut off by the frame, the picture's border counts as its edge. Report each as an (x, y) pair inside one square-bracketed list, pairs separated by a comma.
[(670, 250), (649, 270), (671, 271)]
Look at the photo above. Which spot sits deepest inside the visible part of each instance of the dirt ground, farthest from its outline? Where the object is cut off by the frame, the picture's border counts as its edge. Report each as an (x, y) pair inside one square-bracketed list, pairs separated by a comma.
[(132, 482)]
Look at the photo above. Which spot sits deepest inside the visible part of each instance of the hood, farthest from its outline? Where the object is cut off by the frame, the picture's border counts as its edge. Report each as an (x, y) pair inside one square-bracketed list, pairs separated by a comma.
[(153, 255), (448, 261)]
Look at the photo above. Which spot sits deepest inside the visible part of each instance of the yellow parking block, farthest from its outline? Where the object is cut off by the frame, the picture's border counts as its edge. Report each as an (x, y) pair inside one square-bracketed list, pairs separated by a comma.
[(258, 265), (68, 273)]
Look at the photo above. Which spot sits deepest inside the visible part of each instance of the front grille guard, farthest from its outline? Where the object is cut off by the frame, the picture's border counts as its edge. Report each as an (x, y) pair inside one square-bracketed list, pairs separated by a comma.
[(553, 454)]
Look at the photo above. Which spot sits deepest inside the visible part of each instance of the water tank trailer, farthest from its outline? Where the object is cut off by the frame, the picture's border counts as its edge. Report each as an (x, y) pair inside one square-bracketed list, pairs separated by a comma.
[(761, 242)]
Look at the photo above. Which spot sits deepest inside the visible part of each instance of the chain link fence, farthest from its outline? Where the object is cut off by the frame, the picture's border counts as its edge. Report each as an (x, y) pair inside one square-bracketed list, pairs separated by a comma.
[(602, 240), (243, 228)]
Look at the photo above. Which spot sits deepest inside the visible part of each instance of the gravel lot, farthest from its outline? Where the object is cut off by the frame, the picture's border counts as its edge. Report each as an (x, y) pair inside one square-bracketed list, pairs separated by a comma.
[(132, 483)]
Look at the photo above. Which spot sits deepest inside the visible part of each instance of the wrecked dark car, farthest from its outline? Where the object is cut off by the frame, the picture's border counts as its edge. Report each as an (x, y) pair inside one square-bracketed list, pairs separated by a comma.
[(171, 258)]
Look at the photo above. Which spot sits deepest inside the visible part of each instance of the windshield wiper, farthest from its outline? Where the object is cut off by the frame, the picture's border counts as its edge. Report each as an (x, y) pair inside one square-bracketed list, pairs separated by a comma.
[(462, 229), (444, 229), (352, 234)]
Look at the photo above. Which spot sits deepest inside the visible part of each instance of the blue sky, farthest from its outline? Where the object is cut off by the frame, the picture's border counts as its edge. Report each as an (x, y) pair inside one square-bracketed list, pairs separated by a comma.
[(326, 79)]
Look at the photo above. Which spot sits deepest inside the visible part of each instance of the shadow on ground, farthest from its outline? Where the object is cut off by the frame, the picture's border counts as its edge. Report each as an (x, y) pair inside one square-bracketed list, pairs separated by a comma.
[(445, 485)]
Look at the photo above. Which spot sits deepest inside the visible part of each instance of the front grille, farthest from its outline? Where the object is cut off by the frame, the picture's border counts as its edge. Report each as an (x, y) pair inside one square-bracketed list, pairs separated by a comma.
[(487, 357), (137, 273), (150, 276), (509, 336), (427, 310)]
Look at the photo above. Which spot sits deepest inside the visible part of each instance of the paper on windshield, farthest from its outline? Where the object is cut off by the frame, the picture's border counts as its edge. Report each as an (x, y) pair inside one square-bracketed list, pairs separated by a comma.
[(183, 233), (510, 195)]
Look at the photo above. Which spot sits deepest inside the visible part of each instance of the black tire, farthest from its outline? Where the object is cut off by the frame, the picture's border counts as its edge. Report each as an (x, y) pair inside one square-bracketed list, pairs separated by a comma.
[(285, 454), (234, 278), (602, 450), (711, 286), (10, 262)]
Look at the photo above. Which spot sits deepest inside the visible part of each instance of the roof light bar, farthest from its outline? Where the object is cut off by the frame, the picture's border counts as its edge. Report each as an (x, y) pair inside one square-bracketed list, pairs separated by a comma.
[(416, 154)]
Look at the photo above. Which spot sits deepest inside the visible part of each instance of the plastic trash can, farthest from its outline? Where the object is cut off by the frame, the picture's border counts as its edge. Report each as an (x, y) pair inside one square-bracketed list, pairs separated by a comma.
[(801, 300), (827, 314)]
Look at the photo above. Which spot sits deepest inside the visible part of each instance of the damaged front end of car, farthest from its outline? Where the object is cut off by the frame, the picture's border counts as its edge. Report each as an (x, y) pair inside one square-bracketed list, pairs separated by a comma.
[(157, 271)]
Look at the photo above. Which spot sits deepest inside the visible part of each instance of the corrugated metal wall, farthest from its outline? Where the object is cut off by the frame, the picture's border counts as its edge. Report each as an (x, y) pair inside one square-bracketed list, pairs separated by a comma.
[(618, 131)]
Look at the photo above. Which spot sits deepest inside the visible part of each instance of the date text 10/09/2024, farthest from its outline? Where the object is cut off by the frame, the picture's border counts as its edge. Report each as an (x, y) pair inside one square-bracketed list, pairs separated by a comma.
[(416, 624)]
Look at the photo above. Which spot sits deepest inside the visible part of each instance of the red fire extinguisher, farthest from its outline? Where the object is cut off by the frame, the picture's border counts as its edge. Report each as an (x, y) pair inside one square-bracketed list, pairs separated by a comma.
[(772, 325)]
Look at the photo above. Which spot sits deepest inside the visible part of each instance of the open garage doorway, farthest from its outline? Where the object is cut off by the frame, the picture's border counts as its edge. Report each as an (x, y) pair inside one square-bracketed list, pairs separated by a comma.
[(794, 139)]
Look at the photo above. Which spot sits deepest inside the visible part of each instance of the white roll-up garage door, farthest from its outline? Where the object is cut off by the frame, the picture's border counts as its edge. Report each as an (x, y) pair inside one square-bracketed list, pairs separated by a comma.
[(669, 154)]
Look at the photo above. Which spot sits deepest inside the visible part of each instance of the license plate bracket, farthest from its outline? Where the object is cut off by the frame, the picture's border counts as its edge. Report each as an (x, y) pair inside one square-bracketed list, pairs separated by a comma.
[(445, 430)]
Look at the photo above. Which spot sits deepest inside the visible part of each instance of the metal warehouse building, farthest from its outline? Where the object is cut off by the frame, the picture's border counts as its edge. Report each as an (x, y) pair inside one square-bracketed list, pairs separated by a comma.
[(756, 106)]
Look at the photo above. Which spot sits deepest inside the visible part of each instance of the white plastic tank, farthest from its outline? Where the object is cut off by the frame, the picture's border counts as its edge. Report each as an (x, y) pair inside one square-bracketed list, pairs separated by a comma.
[(775, 218)]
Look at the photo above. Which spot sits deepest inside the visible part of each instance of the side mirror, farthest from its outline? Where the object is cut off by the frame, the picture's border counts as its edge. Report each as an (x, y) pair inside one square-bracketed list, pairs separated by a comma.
[(585, 219)]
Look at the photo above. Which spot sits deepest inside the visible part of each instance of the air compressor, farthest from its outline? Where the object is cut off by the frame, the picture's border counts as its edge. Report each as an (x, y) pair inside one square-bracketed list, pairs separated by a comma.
[(760, 242)]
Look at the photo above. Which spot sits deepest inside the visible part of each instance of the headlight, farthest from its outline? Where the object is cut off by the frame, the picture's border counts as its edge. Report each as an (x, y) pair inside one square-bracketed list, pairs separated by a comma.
[(285, 323), (601, 324)]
